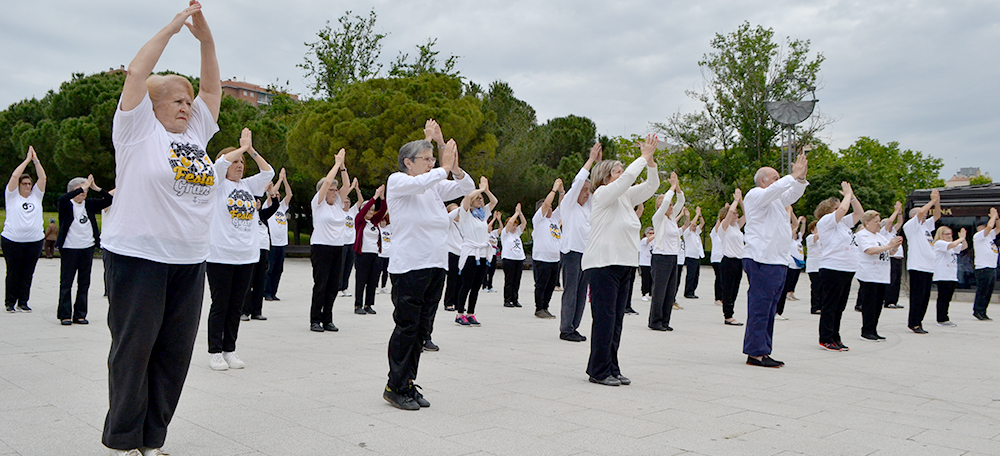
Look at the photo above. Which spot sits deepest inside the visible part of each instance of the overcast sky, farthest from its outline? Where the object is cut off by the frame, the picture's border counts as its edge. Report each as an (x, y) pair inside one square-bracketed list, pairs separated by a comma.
[(923, 73)]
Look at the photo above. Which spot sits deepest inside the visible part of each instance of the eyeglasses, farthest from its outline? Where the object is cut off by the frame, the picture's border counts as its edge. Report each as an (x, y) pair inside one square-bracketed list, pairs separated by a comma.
[(430, 159)]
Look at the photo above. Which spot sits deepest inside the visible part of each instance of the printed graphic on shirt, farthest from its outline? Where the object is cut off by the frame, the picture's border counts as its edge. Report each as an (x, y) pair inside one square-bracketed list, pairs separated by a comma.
[(349, 221), (555, 231), (28, 207), (279, 218), (801, 250), (386, 236), (683, 248), (240, 205), (83, 219), (193, 171), (993, 246), (930, 237), (494, 241), (516, 246)]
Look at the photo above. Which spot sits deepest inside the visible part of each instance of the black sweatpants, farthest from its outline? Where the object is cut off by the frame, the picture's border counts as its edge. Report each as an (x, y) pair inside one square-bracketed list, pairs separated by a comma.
[(153, 314), (74, 262), (870, 298), (470, 281), (791, 278), (946, 289), (836, 288), (348, 266), (366, 279), (985, 282), (732, 275), (453, 280), (920, 295), (895, 277), (275, 266), (645, 280), (491, 270), (717, 288), (546, 274), (664, 270), (21, 258), (415, 295), (383, 266), (326, 263), (512, 270), (610, 289), (815, 292), (228, 284), (254, 302), (693, 266)]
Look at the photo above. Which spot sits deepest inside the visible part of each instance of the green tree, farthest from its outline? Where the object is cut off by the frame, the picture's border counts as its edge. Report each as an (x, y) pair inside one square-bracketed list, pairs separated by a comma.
[(343, 56), (425, 62), (980, 180)]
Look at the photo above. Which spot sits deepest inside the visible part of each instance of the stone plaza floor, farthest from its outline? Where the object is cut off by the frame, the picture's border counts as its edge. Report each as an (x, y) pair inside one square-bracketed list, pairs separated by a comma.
[(512, 387)]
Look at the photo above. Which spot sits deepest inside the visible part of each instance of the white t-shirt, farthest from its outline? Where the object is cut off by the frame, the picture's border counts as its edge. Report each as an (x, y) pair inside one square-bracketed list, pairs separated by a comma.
[(889, 235), (80, 234), (475, 235), (264, 236), (494, 237), (815, 251), (454, 235), (235, 222), (716, 237), (732, 241), (545, 236), (919, 242), (645, 252), (512, 248), (985, 249), (575, 218), (349, 233), (328, 222), (278, 225), (692, 243), (369, 238), (872, 268), (840, 253), (165, 185), (24, 216), (416, 204), (668, 234), (946, 262), (386, 241), (795, 249)]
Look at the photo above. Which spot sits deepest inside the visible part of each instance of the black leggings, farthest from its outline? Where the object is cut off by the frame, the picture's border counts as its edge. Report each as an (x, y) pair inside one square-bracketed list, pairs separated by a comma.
[(326, 263), (836, 287), (471, 279), (366, 279), (21, 258), (732, 274), (254, 303), (646, 280), (229, 284), (512, 270)]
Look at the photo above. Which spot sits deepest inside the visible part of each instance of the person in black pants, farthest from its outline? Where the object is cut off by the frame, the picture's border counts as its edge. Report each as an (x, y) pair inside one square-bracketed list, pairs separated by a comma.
[(919, 234), (693, 251), (494, 257), (839, 262), (22, 236), (731, 266), (253, 306), (350, 257), (454, 240), (78, 223), (326, 249), (475, 251), (513, 257), (277, 227), (367, 245)]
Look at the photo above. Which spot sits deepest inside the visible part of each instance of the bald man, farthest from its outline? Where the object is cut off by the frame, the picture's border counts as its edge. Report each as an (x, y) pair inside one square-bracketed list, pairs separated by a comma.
[(765, 256)]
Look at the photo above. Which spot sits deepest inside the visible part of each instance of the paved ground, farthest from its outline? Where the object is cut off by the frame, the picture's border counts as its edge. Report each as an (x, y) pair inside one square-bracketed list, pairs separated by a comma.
[(511, 387)]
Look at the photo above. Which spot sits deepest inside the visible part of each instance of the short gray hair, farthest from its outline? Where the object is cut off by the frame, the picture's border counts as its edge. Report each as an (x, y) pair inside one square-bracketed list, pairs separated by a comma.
[(410, 150), (74, 183), (319, 184)]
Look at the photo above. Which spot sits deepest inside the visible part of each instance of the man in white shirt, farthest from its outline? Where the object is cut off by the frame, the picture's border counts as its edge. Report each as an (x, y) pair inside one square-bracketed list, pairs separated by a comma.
[(919, 230), (415, 197), (984, 243), (575, 215), (765, 255)]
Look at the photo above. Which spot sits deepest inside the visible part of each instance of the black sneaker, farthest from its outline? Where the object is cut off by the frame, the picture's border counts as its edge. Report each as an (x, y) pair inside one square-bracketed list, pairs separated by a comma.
[(448, 308), (765, 361), (625, 380), (572, 337), (430, 346), (829, 346), (508, 304), (400, 401), (630, 311), (610, 380), (918, 329), (258, 317), (369, 310), (66, 322), (516, 304), (870, 337), (244, 317), (23, 308), (269, 298), (843, 347), (690, 297), (780, 363), (330, 327), (417, 397), (10, 309), (317, 327), (81, 321), (880, 337), (979, 316), (359, 311)]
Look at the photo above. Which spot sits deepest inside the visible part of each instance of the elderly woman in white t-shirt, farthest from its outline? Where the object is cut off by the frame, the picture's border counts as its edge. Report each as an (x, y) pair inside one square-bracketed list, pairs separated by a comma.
[(472, 262), (326, 244), (839, 262), (513, 256), (612, 255), (666, 251), (157, 238), (875, 249), (22, 232), (946, 250), (731, 235)]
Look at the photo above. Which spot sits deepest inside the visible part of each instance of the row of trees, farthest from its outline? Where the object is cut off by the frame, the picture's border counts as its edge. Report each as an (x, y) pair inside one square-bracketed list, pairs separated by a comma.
[(371, 113)]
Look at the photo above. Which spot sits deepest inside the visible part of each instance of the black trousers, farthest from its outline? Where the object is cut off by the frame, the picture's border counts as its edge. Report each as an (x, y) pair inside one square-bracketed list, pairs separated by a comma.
[(74, 262), (470, 281), (664, 271), (326, 263), (717, 288), (546, 274), (895, 276), (512, 270), (153, 314), (920, 295), (985, 281), (366, 279), (791, 279), (836, 287), (21, 258), (275, 266), (453, 280), (383, 266), (645, 280), (254, 302), (946, 289), (415, 295), (610, 289), (693, 266), (815, 292), (229, 284), (348, 266), (732, 274), (870, 298), (491, 269)]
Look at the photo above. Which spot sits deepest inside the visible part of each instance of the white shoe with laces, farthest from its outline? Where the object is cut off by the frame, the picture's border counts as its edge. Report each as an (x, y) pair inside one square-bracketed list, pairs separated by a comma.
[(217, 362), (153, 452), (645, 298), (132, 452), (780, 317), (233, 361), (947, 323)]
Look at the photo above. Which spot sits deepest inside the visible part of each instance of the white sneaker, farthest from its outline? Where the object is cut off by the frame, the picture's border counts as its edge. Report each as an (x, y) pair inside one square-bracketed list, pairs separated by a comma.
[(153, 452), (780, 317), (718, 303), (345, 294), (217, 362), (132, 452), (645, 298), (947, 323), (233, 361), (385, 290)]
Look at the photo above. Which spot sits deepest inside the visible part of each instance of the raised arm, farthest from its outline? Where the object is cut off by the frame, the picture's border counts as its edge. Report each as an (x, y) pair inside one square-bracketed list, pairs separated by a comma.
[(595, 156), (345, 190), (210, 86), (520, 216), (257, 158), (143, 63), (960, 241), (936, 197), (700, 218), (894, 223), (332, 175), (547, 204), (845, 203), (493, 199), (802, 227), (856, 210), (467, 201), (246, 142), (288, 187), (992, 224), (15, 176), (924, 211), (39, 170)]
